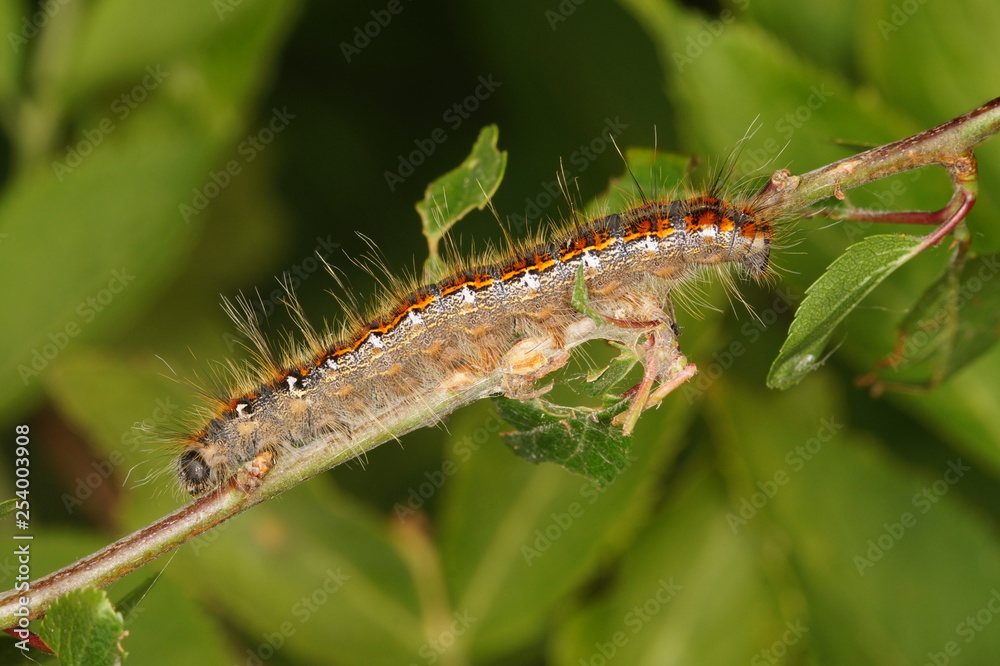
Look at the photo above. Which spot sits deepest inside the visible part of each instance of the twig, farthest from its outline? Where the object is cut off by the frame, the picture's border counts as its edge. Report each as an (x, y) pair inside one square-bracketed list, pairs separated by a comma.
[(949, 145)]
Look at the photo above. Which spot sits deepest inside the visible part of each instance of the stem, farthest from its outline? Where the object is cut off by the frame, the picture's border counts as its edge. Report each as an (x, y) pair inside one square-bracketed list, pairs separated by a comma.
[(253, 484), (129, 553), (949, 144)]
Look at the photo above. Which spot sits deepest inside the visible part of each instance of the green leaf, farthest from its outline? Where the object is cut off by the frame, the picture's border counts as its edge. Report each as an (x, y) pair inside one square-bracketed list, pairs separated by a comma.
[(146, 166), (7, 508), (889, 54), (828, 300), (583, 442), (885, 559), (796, 522), (449, 198), (327, 580), (83, 629), (169, 625), (120, 39), (685, 581), (802, 110), (517, 540), (978, 302), (580, 300), (605, 379), (936, 84), (955, 321), (823, 33), (603, 382)]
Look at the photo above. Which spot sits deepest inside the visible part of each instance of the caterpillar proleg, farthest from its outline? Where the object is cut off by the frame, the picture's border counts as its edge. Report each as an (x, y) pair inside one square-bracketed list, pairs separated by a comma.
[(495, 328)]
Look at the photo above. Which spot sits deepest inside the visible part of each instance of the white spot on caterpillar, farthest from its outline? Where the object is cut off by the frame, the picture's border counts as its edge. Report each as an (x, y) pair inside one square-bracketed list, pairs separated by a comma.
[(332, 364), (468, 296), (590, 261), (708, 232), (376, 341), (414, 318), (240, 408), (531, 281), (292, 381), (650, 244)]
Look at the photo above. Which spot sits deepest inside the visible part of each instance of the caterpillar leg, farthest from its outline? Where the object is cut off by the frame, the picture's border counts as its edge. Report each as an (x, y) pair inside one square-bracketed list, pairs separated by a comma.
[(664, 367), (529, 360), (252, 473)]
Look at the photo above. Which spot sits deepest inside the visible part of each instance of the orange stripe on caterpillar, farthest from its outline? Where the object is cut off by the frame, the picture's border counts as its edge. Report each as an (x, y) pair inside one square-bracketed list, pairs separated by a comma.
[(491, 329)]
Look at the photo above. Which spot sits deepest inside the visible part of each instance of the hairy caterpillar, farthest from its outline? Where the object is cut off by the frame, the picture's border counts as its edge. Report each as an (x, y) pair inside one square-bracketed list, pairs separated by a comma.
[(494, 328)]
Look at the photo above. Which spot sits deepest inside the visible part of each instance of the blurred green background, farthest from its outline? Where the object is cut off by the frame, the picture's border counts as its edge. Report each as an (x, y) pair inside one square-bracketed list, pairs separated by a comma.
[(158, 156)]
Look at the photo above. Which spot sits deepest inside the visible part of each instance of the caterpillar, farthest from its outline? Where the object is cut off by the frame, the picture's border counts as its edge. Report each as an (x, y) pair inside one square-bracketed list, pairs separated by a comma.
[(493, 328)]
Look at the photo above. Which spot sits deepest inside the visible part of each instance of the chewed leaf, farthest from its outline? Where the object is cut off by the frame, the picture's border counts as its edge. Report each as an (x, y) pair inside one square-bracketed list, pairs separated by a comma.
[(584, 443), (978, 302), (956, 320), (84, 630), (830, 298), (449, 198), (601, 383)]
